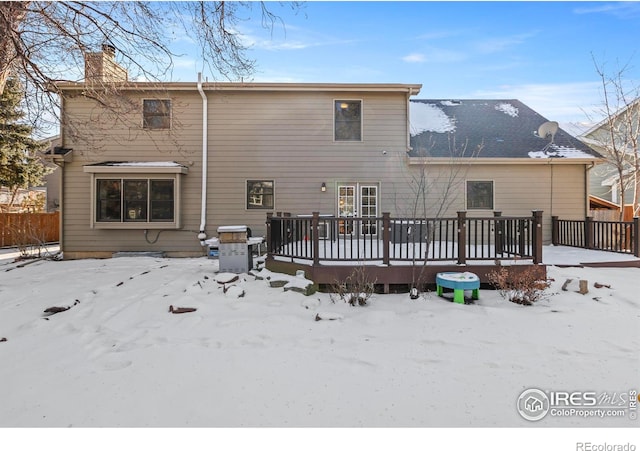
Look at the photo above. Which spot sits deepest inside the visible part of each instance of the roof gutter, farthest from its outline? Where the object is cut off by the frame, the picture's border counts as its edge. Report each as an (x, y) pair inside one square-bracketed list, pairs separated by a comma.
[(202, 235), (499, 161)]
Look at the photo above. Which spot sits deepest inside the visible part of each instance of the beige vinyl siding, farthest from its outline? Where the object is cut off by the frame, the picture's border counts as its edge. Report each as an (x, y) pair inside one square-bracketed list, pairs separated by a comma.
[(556, 189), (288, 138), (123, 139), (282, 136)]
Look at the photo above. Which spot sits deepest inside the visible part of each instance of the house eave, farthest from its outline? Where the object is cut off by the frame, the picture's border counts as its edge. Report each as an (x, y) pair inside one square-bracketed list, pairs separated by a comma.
[(500, 161), (136, 168), (411, 89), (59, 156)]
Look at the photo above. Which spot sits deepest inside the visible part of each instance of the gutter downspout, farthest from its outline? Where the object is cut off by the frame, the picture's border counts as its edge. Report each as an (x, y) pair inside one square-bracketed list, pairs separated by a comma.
[(205, 163), (587, 187)]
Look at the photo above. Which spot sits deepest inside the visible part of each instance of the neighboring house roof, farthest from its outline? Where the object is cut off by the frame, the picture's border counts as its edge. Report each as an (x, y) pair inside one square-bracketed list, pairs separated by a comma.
[(605, 122), (487, 129), (614, 176), (599, 202)]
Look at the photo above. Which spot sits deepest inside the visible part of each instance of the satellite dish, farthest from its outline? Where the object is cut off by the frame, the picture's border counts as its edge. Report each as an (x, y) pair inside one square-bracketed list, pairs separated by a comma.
[(548, 128)]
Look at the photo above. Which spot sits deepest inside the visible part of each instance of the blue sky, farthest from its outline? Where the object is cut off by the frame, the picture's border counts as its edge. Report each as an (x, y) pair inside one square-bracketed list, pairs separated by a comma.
[(537, 52)]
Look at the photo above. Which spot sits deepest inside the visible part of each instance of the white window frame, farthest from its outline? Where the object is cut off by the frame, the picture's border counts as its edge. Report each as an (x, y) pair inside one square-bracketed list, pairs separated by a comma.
[(493, 195), (103, 172), (333, 109), (358, 207)]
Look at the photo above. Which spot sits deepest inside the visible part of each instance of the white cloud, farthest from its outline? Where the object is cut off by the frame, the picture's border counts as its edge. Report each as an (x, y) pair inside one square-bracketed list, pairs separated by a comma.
[(499, 44), (623, 10), (435, 55), (414, 58), (188, 63)]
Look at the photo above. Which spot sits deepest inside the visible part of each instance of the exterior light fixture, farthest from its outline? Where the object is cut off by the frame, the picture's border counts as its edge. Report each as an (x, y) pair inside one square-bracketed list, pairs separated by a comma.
[(323, 187)]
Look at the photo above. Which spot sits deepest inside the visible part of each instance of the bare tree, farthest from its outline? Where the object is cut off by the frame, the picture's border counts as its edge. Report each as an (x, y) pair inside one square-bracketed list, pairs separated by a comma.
[(43, 42), (618, 135), (432, 194)]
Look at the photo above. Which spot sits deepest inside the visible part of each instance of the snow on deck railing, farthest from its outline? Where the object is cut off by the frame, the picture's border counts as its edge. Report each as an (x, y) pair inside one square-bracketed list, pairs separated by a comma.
[(384, 240)]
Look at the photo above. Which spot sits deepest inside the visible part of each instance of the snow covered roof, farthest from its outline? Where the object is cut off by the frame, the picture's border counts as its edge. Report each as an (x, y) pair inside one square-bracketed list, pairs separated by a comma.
[(137, 166), (486, 129)]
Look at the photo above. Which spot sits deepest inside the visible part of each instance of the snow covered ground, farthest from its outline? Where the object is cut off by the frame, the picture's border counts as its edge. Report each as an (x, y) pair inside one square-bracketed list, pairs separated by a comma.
[(255, 356)]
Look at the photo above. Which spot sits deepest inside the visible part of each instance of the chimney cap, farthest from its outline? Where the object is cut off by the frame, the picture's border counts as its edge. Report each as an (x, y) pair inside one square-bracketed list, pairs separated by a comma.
[(109, 48)]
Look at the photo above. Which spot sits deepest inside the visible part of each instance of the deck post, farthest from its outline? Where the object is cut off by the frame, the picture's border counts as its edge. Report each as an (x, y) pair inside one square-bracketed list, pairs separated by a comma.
[(315, 236), (386, 237), (269, 244), (588, 232), (498, 233), (536, 236), (555, 230), (462, 237), (635, 232)]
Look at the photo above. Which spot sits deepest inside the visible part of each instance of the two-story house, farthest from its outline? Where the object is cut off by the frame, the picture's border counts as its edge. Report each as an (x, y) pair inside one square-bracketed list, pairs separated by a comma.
[(160, 166)]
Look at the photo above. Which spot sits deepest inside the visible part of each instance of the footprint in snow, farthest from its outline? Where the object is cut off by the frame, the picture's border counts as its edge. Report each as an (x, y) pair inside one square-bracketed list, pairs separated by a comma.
[(116, 365)]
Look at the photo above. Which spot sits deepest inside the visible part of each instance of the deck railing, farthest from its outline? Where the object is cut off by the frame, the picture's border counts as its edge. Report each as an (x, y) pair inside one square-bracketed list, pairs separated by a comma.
[(612, 236), (385, 240)]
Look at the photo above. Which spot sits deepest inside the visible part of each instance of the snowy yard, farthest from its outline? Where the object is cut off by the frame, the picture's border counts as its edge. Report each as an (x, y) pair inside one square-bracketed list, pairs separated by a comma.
[(252, 355)]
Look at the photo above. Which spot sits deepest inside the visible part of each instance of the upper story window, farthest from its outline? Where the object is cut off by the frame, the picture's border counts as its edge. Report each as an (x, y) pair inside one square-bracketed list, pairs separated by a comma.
[(348, 120), (479, 195), (156, 114)]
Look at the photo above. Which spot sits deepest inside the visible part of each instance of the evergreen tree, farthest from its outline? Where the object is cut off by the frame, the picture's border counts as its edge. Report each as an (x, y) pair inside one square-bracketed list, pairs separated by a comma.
[(20, 166)]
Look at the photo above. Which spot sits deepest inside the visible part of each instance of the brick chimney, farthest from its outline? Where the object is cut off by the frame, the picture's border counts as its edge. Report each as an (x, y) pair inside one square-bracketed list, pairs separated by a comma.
[(102, 66)]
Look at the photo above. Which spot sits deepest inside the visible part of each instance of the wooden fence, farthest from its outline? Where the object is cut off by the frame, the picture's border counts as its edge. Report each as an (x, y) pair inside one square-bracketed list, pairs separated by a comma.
[(612, 236), (22, 229)]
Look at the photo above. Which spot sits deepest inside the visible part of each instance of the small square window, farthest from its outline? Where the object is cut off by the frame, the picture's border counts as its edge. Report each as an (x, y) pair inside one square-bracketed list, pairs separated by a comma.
[(156, 114), (479, 195), (260, 194), (348, 120)]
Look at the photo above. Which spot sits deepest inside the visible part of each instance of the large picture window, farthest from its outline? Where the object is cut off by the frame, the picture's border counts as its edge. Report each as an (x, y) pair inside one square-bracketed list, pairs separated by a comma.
[(260, 194), (135, 194), (479, 195), (135, 200), (348, 120), (156, 114)]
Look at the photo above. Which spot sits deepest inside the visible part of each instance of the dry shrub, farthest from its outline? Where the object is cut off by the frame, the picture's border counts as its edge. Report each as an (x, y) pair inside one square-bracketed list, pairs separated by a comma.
[(355, 289), (27, 238), (521, 285)]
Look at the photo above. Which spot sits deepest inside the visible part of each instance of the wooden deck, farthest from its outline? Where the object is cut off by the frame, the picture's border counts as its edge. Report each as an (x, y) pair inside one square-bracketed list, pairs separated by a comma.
[(394, 278), (400, 253)]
